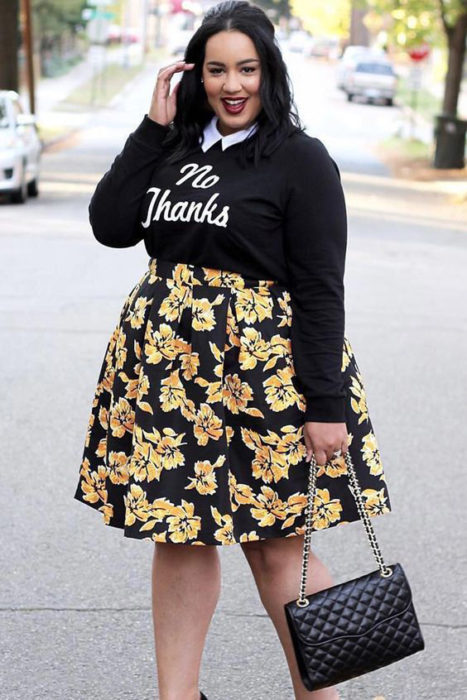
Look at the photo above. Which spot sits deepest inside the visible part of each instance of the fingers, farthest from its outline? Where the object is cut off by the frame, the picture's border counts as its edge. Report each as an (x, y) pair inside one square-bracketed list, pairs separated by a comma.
[(167, 72)]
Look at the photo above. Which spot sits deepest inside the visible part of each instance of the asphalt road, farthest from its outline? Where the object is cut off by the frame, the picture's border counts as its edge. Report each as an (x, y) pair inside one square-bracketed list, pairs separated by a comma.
[(75, 616)]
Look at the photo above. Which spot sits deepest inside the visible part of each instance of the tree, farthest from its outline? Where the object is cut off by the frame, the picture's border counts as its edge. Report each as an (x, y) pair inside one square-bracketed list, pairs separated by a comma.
[(53, 21), (418, 21), (9, 42), (324, 18), (280, 8)]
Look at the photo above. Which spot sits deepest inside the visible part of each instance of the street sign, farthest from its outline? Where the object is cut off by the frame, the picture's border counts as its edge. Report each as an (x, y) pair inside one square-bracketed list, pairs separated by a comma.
[(419, 53)]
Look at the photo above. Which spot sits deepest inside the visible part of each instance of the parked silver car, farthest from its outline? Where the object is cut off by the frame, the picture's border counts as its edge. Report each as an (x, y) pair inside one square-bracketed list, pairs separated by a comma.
[(350, 57), (20, 149), (372, 80)]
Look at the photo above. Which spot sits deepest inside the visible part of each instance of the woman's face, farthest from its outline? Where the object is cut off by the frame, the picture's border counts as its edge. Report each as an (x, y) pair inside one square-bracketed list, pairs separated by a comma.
[(232, 75)]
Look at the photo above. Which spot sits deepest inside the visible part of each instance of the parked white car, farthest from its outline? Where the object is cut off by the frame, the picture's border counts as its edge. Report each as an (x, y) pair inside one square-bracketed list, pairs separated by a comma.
[(352, 54), (20, 149), (371, 79)]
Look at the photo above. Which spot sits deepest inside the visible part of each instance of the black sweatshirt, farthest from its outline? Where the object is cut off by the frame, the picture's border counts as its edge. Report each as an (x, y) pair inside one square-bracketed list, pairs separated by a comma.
[(284, 220)]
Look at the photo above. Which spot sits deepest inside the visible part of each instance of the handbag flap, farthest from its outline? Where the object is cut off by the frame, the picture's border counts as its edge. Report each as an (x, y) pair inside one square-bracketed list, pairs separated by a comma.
[(352, 607)]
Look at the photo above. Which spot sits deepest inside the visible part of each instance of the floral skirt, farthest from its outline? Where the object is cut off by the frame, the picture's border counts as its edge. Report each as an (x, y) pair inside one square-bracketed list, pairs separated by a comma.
[(196, 429)]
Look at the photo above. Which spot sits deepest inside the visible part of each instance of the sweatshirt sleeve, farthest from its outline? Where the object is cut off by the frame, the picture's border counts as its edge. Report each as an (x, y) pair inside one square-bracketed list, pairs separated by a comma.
[(115, 204), (315, 239)]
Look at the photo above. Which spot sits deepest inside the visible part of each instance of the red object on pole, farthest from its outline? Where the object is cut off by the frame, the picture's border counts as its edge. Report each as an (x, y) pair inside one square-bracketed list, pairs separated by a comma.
[(419, 53)]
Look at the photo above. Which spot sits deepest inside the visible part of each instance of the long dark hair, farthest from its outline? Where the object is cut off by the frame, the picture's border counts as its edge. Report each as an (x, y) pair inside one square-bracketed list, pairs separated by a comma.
[(278, 116)]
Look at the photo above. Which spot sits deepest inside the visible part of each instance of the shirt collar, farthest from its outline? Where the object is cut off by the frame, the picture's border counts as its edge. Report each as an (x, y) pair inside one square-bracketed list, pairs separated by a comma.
[(212, 135)]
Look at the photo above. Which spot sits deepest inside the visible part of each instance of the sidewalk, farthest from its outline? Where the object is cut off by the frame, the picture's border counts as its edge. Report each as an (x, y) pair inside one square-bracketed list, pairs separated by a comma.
[(56, 118)]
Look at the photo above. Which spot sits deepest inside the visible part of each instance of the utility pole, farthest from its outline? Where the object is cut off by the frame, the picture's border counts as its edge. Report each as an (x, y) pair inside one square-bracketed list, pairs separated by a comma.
[(9, 44), (28, 47)]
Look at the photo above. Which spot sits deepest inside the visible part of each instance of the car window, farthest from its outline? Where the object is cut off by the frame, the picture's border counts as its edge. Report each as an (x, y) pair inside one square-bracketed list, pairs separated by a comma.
[(375, 68), (3, 114)]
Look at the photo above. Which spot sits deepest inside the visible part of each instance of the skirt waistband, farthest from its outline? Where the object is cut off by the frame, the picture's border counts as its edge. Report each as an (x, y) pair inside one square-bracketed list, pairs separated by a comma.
[(213, 277)]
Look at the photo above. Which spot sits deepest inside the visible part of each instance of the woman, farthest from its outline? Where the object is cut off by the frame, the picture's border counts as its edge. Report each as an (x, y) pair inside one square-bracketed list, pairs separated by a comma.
[(228, 367)]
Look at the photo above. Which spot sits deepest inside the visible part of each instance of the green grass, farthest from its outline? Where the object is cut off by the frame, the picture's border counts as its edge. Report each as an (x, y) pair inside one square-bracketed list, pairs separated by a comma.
[(408, 148), (426, 103), (411, 148), (102, 87)]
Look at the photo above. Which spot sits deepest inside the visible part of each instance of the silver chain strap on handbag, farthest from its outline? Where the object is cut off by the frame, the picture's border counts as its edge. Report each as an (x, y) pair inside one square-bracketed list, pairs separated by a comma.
[(385, 571)]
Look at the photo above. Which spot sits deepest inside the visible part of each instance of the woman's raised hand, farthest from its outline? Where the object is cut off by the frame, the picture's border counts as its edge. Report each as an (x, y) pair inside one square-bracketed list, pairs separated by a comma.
[(163, 102)]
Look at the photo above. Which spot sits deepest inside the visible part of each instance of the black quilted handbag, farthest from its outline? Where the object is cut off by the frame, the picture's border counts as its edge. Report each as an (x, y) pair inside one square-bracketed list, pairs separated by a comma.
[(357, 626)]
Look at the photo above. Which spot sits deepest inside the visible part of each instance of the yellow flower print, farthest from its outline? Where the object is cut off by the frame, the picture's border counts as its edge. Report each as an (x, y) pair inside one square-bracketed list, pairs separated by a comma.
[(207, 425), (172, 307), (253, 305), (122, 418), (120, 351), (269, 465), (240, 494), (102, 447), (295, 506), (249, 536), (224, 534), (205, 480), (347, 354), (291, 444), (203, 318), (371, 454), (104, 418), (252, 349), (236, 394), (183, 524), (359, 406), (222, 278), (161, 344), (159, 536), (118, 467), (85, 467), (326, 510), (131, 385), (334, 468), (189, 362), (229, 433), (279, 347), (94, 485), (172, 394), (136, 505), (167, 447), (107, 511), (279, 390), (152, 272), (286, 315), (232, 329), (269, 507), (375, 501), (159, 509), (89, 429), (136, 315), (107, 381), (144, 464)]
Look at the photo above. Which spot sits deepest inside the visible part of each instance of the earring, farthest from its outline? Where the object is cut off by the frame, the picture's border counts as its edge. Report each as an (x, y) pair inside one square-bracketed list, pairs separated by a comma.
[(202, 80)]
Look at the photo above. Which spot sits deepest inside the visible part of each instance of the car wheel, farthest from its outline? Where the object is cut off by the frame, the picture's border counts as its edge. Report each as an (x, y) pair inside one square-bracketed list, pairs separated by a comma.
[(33, 188), (20, 195), (389, 101), (349, 97)]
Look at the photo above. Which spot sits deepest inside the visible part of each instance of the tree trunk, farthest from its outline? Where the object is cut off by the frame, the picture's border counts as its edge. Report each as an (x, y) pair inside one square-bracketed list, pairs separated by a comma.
[(9, 44), (456, 53)]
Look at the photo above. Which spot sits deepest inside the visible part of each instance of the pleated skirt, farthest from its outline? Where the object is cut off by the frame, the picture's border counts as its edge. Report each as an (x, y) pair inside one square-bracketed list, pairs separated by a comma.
[(196, 428)]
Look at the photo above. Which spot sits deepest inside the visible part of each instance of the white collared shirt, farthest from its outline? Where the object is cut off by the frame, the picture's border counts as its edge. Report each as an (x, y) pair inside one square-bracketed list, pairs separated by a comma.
[(212, 135)]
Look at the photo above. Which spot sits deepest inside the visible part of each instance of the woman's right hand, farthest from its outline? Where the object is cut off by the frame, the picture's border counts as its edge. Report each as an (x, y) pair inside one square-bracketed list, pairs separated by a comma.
[(163, 103)]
